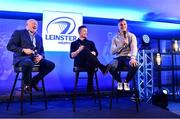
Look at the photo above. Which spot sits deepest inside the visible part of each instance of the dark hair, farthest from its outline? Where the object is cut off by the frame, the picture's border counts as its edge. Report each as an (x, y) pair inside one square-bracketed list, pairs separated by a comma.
[(82, 26), (120, 20)]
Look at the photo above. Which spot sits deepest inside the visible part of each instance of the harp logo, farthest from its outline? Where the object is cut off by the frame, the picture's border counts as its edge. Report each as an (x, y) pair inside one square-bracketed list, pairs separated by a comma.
[(61, 25), (60, 29)]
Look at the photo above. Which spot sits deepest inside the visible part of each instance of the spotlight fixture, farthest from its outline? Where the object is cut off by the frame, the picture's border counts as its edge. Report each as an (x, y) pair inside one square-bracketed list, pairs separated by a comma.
[(146, 39), (165, 91), (145, 42), (175, 46), (160, 98), (158, 59)]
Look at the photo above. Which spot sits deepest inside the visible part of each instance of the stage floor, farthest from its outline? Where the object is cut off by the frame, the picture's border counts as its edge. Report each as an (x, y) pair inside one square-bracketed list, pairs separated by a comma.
[(85, 108)]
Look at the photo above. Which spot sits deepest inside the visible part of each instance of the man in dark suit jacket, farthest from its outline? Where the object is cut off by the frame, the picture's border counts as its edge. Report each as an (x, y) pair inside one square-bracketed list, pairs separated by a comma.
[(28, 50), (84, 53)]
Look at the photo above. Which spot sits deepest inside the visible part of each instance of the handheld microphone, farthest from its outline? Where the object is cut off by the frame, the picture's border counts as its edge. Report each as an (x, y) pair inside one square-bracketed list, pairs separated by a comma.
[(124, 33), (35, 52), (124, 46)]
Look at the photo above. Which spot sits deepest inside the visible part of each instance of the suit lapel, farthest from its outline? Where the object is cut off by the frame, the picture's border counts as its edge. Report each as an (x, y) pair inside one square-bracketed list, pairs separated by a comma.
[(28, 36), (36, 38)]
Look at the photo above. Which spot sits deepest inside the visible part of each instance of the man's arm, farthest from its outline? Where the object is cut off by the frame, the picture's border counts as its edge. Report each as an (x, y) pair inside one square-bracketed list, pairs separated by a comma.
[(74, 51), (14, 43), (114, 47), (93, 49), (133, 47), (133, 62)]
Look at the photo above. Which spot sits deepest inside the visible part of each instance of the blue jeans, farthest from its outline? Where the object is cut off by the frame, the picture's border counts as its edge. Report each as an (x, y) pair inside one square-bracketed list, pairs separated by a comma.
[(118, 63)]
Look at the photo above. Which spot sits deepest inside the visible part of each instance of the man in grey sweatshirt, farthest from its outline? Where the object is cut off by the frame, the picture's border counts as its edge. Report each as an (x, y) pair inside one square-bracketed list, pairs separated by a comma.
[(124, 49)]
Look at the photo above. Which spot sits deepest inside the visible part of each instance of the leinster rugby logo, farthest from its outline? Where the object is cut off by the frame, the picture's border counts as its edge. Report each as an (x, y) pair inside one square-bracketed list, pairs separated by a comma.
[(61, 25)]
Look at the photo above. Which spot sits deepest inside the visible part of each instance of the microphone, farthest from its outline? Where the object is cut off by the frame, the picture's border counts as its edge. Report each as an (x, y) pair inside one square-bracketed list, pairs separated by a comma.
[(124, 45), (124, 33), (35, 52)]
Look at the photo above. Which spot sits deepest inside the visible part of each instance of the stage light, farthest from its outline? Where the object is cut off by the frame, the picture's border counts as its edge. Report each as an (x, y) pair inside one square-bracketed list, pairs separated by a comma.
[(145, 42), (165, 91), (146, 39), (158, 59), (175, 46), (160, 98)]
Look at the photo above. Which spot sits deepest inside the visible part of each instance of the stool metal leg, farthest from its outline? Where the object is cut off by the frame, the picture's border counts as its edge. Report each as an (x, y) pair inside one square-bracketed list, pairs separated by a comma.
[(137, 100), (12, 91), (74, 95), (98, 92), (44, 93), (31, 92), (112, 94), (136, 95), (94, 93), (118, 92), (22, 96)]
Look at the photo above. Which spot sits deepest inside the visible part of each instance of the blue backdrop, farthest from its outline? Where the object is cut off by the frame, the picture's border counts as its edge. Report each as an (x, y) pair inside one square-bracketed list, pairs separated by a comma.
[(62, 77), (61, 80)]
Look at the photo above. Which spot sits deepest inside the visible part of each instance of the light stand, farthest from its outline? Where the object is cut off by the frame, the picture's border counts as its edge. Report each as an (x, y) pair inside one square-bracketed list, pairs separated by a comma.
[(175, 49), (158, 62), (160, 97)]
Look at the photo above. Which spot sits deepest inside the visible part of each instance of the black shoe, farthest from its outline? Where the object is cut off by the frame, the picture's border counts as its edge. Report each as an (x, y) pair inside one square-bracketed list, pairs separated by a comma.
[(34, 84), (105, 69), (27, 89)]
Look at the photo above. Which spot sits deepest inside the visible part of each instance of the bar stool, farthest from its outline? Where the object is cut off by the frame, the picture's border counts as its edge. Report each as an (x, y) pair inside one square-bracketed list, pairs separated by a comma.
[(134, 91), (18, 70), (78, 70)]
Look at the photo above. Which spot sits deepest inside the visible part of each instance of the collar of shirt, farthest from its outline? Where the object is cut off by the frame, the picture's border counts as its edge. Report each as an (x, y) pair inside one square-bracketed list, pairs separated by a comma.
[(30, 33)]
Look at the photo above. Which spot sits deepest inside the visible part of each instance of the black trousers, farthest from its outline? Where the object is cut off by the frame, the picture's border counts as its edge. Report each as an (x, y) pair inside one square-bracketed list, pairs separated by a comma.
[(89, 61), (122, 61), (46, 66)]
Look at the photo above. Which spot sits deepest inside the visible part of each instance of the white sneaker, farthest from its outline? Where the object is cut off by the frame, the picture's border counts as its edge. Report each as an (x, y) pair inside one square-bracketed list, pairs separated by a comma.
[(126, 87), (119, 86)]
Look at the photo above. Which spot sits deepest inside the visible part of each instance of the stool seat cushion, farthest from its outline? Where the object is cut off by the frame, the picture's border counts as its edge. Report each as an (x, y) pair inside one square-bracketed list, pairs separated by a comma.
[(34, 69), (82, 69)]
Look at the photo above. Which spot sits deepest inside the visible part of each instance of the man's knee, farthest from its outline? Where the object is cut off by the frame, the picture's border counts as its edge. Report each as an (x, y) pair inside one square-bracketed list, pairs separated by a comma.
[(134, 68), (51, 65), (26, 63), (48, 64)]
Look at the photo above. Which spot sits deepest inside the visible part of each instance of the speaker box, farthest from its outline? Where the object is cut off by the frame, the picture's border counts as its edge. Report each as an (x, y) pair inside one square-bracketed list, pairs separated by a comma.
[(160, 99)]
